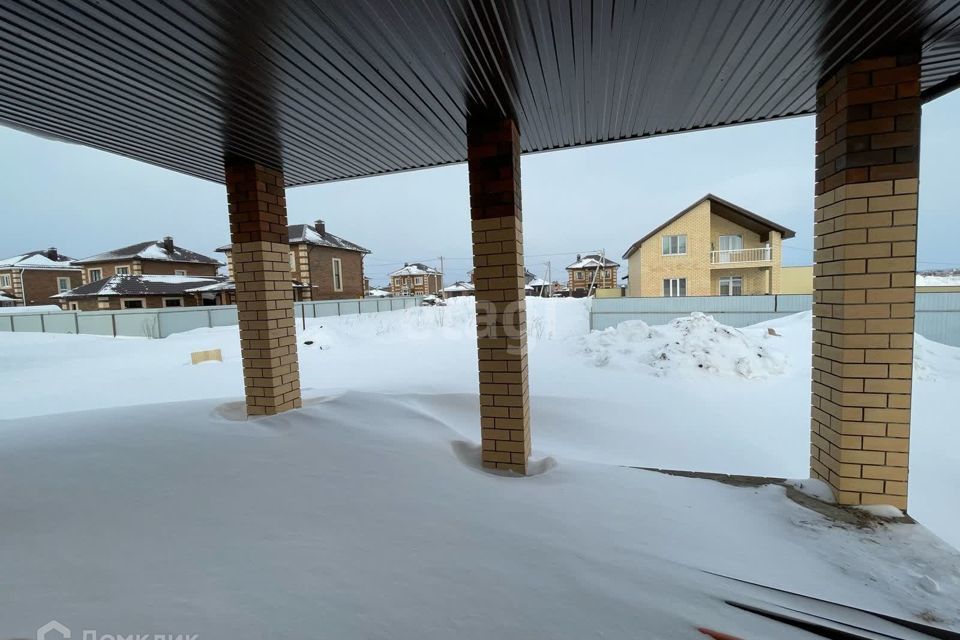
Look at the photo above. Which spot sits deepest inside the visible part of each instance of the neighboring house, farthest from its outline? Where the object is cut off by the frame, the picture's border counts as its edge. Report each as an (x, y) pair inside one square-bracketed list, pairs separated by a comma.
[(31, 278), (415, 279), (459, 288), (379, 292), (146, 291), (322, 266), (591, 270), (148, 258), (713, 247)]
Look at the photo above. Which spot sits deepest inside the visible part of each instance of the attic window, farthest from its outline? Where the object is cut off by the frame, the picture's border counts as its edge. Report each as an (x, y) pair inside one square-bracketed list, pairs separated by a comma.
[(675, 245)]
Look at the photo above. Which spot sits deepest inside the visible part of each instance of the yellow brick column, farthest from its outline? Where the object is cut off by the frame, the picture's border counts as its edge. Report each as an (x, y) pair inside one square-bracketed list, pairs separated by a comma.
[(493, 160), (261, 270), (868, 140)]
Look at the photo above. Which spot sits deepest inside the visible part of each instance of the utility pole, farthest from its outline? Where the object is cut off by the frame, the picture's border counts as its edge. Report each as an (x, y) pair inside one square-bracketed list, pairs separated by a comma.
[(443, 293), (596, 272)]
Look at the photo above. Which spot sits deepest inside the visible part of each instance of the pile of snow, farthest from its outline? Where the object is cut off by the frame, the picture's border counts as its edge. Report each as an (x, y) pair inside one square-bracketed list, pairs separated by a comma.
[(938, 281), (692, 343)]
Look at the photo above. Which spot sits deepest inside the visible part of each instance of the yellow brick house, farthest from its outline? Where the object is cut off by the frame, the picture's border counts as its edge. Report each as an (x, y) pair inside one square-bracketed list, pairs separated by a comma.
[(713, 247)]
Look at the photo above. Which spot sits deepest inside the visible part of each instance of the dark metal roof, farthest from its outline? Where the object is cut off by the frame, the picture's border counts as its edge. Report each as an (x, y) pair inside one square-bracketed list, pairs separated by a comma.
[(309, 234), (725, 209), (144, 285), (334, 89), (150, 250)]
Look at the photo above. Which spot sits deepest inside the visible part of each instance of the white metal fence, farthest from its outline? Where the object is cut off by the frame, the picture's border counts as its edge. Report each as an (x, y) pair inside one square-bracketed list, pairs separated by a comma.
[(160, 323), (938, 314)]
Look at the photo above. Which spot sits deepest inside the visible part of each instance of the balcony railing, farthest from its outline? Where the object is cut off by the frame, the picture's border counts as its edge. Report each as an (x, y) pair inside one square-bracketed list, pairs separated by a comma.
[(735, 256)]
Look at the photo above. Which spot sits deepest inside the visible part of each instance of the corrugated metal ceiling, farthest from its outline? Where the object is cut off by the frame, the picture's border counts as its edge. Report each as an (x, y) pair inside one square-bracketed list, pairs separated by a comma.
[(335, 89)]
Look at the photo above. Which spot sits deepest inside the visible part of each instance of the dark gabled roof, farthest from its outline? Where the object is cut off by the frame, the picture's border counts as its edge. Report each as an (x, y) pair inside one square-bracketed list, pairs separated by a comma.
[(142, 285), (308, 234), (724, 209), (39, 259), (150, 250)]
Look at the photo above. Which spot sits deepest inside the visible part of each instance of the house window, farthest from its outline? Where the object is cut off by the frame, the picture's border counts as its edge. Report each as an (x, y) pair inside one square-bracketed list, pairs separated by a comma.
[(674, 287), (293, 261), (63, 284), (94, 274), (122, 271), (675, 245), (606, 273), (179, 272), (337, 275), (418, 280), (132, 304), (578, 275), (74, 306), (731, 286), (172, 302), (5, 280)]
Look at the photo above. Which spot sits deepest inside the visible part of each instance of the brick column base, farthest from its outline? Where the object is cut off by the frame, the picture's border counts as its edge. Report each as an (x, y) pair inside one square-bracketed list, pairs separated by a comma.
[(493, 159), (868, 138), (261, 270)]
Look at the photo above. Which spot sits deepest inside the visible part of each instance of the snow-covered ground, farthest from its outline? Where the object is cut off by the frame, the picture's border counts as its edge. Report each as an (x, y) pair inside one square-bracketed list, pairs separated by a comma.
[(152, 508)]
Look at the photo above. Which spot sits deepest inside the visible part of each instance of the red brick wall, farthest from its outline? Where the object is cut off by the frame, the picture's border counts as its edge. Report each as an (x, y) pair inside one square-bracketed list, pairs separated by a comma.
[(40, 285), (163, 268), (152, 267), (321, 273)]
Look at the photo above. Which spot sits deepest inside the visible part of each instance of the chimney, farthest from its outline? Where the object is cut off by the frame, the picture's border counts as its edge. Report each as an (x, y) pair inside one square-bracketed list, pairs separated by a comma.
[(578, 257), (52, 254), (167, 244), (320, 227)]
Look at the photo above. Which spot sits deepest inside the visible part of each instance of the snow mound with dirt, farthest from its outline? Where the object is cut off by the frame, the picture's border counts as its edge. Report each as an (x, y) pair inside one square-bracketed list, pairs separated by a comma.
[(694, 343)]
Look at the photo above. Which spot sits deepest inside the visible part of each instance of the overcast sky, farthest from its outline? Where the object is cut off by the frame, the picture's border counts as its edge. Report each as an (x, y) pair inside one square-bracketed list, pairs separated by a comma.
[(604, 197)]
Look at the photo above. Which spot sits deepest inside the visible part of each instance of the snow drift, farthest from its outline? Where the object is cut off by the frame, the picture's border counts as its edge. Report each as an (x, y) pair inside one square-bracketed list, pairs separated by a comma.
[(692, 343)]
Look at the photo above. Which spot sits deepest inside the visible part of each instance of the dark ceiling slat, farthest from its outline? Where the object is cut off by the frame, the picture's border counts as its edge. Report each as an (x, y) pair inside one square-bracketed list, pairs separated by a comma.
[(338, 89)]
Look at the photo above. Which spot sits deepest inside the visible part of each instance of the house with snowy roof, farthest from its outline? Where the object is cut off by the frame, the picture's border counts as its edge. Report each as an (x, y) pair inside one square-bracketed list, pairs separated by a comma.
[(323, 266), (459, 288), (590, 272), (145, 291), (153, 257), (32, 277), (416, 279)]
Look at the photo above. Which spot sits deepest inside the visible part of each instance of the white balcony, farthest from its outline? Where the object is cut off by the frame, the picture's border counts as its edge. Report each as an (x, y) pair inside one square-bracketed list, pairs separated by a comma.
[(739, 256)]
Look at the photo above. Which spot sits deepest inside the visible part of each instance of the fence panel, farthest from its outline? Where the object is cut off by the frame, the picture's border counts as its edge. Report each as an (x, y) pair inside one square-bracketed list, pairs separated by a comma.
[(180, 321), (28, 322), (938, 314), (95, 323), (223, 316), (137, 324), (60, 322), (160, 323)]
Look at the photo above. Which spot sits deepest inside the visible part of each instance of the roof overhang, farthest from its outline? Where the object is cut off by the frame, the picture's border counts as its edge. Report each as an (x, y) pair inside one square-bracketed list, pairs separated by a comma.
[(335, 89), (727, 210)]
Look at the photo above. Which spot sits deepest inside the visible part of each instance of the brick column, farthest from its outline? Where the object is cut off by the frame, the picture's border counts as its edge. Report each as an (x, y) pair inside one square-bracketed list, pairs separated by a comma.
[(868, 137), (261, 269), (493, 160)]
